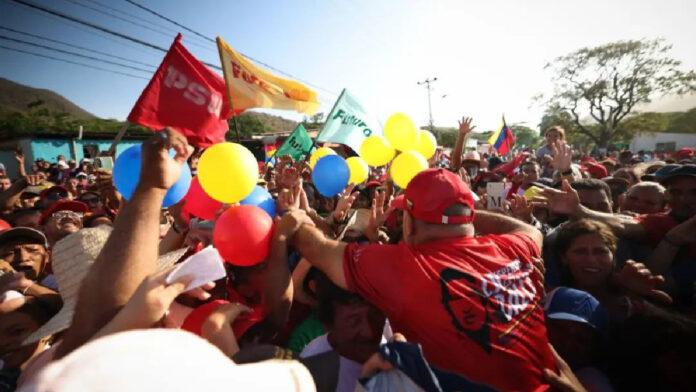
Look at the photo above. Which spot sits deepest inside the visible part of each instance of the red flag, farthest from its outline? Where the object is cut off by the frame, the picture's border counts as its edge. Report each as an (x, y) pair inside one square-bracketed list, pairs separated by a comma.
[(185, 95), (508, 168)]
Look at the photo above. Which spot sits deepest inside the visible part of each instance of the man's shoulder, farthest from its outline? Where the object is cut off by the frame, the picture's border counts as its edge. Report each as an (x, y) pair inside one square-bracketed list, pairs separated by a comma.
[(662, 218)]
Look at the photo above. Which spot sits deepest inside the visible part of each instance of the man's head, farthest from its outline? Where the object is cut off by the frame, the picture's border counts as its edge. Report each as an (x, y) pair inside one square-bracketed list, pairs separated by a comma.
[(355, 326), (594, 194), (26, 218), (26, 250), (93, 201), (53, 194), (554, 134), (629, 174), (645, 197), (471, 162), (437, 205), (680, 181), (531, 170), (62, 219), (5, 183), (17, 323)]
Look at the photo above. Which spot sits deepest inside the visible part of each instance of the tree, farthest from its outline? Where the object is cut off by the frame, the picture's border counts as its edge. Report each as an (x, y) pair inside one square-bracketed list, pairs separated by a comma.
[(446, 137), (682, 122), (607, 82), (525, 136), (248, 125)]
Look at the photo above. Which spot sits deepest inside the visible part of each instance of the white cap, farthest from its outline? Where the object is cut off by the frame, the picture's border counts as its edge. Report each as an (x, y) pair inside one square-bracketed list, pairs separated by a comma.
[(164, 360)]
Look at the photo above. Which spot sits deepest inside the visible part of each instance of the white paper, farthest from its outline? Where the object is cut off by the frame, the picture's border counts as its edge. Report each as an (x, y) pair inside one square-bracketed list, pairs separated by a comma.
[(495, 192), (205, 266)]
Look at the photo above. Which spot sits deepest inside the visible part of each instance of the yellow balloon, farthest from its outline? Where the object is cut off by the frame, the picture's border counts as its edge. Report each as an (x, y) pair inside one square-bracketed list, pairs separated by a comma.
[(358, 170), (426, 144), (405, 166), (401, 133), (376, 151), (228, 172), (319, 153)]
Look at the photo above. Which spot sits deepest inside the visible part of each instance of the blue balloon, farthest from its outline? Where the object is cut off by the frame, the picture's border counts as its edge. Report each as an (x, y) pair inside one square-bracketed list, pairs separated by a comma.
[(330, 175), (261, 198), (126, 174)]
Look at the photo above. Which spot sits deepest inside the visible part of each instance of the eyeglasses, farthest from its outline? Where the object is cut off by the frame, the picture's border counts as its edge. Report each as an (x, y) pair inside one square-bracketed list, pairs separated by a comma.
[(67, 214)]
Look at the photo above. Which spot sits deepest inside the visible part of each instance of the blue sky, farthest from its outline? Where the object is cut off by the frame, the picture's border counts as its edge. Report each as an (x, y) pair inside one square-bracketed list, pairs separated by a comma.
[(488, 56)]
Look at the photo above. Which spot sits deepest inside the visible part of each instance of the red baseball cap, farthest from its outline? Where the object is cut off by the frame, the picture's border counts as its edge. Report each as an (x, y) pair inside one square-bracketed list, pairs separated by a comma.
[(595, 169), (63, 205), (431, 192), (685, 153)]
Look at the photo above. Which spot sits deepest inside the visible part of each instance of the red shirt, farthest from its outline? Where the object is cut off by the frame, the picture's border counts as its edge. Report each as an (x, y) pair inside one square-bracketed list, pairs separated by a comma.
[(471, 302), (657, 225)]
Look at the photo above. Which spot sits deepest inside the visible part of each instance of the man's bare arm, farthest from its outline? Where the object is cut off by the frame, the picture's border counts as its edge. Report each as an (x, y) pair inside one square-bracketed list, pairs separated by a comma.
[(493, 223), (130, 253)]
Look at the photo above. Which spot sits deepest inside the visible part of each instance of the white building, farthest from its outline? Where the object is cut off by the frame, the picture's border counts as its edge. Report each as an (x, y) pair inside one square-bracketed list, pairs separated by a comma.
[(662, 141)]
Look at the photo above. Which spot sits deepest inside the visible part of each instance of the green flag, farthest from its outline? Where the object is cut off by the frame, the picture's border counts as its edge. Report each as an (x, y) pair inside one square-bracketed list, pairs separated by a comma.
[(349, 123), (297, 145)]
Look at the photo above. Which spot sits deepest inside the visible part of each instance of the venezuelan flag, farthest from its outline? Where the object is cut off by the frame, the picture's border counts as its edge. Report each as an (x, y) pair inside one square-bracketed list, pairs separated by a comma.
[(502, 140)]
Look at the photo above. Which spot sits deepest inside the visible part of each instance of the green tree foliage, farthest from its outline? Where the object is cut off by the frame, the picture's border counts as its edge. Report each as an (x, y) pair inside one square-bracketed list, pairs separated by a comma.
[(525, 136), (248, 125), (605, 83), (446, 137), (682, 122)]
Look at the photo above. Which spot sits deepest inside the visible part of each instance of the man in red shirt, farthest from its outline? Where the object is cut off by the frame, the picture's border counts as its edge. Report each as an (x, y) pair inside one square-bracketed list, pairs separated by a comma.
[(472, 302)]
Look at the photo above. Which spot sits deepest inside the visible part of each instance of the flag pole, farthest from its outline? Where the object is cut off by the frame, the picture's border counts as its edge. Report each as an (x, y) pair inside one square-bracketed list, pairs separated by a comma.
[(314, 141), (229, 95), (117, 138)]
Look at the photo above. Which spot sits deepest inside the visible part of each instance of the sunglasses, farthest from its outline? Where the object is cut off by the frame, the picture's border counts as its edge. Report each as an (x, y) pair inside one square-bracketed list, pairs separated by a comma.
[(57, 196), (90, 200)]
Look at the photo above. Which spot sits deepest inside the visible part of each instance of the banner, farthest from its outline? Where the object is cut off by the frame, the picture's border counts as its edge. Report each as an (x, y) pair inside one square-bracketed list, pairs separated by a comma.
[(297, 145), (185, 95), (249, 86), (349, 123)]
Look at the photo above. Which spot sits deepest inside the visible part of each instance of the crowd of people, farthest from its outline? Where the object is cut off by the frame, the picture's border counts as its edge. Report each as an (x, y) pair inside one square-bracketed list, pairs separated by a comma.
[(582, 277)]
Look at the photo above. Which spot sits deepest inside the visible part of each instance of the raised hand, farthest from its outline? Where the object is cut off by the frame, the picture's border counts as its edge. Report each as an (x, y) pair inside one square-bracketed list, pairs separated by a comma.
[(291, 222), (562, 156), (158, 169), (638, 279), (465, 126), (464, 175), (345, 201), (290, 198), (287, 177), (521, 208), (564, 201), (13, 280), (378, 215)]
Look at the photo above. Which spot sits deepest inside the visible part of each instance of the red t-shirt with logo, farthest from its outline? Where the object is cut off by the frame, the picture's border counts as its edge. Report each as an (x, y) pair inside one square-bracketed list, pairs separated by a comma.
[(471, 302)]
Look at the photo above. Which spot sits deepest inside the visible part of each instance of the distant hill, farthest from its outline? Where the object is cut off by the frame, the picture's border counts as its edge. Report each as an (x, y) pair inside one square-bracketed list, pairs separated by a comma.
[(273, 124), (15, 97)]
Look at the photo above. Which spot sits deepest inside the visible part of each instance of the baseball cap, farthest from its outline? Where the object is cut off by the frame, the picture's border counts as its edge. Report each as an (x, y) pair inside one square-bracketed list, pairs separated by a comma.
[(596, 170), (564, 303), (23, 232), (63, 205), (52, 189), (669, 172), (685, 153), (615, 180), (431, 192)]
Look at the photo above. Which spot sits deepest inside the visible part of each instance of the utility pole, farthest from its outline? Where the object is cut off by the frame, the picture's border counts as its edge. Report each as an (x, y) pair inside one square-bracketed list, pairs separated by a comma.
[(427, 83)]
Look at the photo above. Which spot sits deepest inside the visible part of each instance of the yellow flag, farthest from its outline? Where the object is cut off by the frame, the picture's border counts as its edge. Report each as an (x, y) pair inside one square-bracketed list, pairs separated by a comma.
[(249, 86)]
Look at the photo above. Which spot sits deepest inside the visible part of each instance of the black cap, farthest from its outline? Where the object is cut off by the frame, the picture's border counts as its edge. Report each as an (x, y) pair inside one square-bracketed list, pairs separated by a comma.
[(23, 232), (669, 172)]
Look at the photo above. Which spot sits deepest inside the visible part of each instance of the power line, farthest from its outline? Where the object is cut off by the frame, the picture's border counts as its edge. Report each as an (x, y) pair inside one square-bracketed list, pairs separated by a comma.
[(76, 46), (213, 40), (73, 53), (72, 62), (164, 33)]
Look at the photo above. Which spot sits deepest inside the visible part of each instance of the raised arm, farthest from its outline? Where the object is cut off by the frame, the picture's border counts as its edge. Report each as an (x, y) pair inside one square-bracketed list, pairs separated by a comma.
[(322, 252), (464, 129), (493, 223), (567, 202), (130, 253)]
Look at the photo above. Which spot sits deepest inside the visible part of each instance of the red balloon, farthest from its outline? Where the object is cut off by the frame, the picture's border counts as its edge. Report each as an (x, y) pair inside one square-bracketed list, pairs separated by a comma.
[(242, 235), (199, 203)]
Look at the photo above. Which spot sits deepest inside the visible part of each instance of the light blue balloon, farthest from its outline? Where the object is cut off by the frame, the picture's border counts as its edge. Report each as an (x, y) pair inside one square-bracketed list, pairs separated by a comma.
[(261, 198), (126, 174), (330, 175)]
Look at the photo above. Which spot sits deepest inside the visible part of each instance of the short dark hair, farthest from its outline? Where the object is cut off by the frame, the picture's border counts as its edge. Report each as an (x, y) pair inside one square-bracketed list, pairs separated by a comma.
[(12, 220), (572, 230), (328, 294), (592, 184)]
